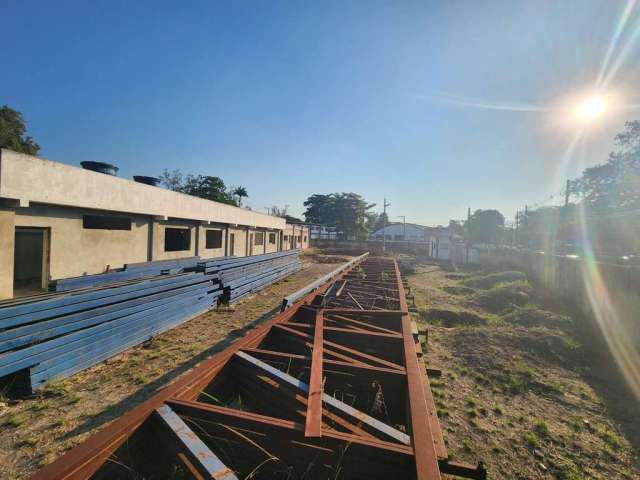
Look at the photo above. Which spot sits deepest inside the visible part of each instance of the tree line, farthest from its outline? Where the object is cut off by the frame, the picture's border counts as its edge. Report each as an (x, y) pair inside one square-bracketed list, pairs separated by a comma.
[(203, 186)]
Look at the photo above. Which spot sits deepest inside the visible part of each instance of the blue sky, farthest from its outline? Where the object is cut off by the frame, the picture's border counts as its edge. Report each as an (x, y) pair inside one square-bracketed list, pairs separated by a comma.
[(294, 98)]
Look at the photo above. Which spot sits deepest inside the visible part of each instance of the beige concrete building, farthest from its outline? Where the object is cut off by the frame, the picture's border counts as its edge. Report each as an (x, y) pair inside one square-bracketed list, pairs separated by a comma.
[(296, 236), (59, 221)]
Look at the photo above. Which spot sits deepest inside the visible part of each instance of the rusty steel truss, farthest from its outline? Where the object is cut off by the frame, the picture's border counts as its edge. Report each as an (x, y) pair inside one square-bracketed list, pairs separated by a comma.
[(335, 387)]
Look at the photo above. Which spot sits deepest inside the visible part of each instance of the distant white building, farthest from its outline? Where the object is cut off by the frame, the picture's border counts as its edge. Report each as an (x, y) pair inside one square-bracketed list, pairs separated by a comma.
[(440, 242), (323, 232), (408, 232)]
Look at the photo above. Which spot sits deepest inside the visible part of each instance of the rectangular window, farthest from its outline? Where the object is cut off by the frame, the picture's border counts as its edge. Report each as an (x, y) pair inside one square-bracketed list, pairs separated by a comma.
[(299, 238), (103, 222), (259, 238), (286, 238), (214, 239), (177, 239), (272, 238)]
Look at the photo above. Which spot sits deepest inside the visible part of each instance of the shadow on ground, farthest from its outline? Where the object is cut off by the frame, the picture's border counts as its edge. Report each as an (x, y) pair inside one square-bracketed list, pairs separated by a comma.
[(148, 390)]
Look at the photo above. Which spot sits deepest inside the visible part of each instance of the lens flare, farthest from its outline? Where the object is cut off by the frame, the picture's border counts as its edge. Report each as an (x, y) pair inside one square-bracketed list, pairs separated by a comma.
[(591, 108)]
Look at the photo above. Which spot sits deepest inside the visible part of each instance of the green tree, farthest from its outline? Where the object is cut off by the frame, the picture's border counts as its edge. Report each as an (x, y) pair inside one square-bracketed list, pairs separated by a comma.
[(381, 221), (240, 192), (203, 186), (616, 183), (12, 132), (485, 226), (348, 212), (173, 180)]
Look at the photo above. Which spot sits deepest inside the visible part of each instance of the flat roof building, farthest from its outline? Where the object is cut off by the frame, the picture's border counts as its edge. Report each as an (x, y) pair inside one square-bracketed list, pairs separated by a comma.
[(59, 221)]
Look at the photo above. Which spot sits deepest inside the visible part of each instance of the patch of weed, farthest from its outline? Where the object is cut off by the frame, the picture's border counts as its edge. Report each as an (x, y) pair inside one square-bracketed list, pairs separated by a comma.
[(56, 389), (610, 437), (74, 398), (489, 280), (15, 420), (541, 428), (466, 445), (530, 439)]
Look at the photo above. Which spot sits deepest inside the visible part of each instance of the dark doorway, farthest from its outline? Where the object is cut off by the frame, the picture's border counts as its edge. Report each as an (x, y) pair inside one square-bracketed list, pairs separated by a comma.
[(30, 266), (232, 244)]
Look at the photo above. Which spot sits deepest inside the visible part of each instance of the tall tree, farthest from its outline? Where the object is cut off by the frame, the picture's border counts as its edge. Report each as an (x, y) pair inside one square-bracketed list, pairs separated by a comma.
[(12, 132), (240, 192), (173, 180), (616, 183), (348, 212), (485, 226)]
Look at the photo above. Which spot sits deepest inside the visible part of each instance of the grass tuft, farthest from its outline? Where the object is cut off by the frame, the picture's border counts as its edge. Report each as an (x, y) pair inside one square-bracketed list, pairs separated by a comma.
[(16, 420)]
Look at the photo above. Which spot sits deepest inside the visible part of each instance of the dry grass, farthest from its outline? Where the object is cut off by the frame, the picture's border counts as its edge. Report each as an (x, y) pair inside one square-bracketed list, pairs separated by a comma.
[(37, 430), (518, 390)]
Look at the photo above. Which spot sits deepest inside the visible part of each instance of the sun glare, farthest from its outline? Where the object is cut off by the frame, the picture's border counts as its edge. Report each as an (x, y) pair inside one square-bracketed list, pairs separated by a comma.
[(591, 108)]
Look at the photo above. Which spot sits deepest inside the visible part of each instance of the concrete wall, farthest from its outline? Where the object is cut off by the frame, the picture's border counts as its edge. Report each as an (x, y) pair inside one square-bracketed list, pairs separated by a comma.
[(74, 250), (240, 249), (258, 248), (7, 229), (302, 236), (32, 179), (38, 193), (272, 247), (159, 228), (205, 252)]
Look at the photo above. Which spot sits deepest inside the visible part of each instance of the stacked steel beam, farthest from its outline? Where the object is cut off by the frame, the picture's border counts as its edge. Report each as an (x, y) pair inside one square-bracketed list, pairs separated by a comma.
[(91, 318), (131, 271), (332, 387), (55, 335), (242, 276)]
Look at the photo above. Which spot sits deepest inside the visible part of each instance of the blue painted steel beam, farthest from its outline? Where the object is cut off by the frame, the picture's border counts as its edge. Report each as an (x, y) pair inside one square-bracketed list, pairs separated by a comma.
[(43, 330), (26, 357), (115, 345), (72, 302)]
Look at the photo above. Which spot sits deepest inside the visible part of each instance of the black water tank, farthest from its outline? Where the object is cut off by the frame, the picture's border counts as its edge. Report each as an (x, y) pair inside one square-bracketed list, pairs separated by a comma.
[(100, 167), (153, 181)]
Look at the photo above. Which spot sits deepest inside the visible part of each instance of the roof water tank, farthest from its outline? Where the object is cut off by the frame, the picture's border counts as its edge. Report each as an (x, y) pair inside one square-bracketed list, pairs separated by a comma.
[(153, 181), (100, 167)]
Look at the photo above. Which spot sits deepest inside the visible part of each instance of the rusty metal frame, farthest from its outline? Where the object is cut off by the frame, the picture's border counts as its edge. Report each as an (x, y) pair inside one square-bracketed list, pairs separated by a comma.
[(350, 338)]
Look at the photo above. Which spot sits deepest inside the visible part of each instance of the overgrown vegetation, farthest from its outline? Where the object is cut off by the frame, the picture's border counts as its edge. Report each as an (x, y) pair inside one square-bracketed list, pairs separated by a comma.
[(517, 394)]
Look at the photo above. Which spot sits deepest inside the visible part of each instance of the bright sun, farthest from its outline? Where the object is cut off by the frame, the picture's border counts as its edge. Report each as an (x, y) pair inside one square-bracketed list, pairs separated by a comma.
[(591, 108)]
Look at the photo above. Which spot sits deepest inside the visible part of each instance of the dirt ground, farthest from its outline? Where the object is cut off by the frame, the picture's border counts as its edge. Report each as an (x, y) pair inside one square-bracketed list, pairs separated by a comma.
[(34, 431), (523, 388)]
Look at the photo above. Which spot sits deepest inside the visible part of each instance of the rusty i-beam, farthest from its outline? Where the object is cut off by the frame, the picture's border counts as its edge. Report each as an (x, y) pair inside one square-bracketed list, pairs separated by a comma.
[(334, 387)]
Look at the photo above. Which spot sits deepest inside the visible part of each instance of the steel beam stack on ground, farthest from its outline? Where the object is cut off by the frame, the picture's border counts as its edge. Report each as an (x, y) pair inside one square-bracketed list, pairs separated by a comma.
[(91, 318), (130, 271), (332, 387), (54, 335), (242, 276)]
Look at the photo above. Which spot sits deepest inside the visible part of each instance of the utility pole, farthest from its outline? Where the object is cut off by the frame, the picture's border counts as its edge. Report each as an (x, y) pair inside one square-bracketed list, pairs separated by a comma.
[(468, 233), (384, 225), (525, 227), (564, 219), (404, 227)]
